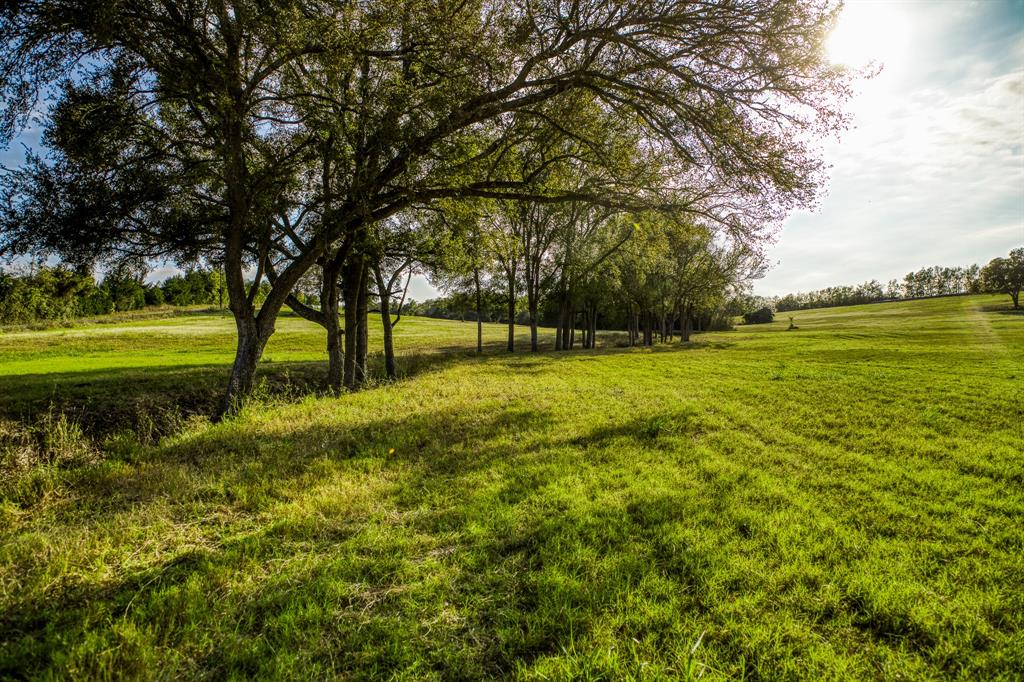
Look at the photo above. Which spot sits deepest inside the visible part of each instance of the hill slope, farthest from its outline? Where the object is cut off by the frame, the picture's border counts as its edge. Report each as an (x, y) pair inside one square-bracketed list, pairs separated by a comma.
[(842, 500)]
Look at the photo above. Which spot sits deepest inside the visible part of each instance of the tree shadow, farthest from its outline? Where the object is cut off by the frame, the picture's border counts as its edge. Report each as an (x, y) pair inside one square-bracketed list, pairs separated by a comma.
[(157, 401), (1005, 308), (464, 542), (505, 580), (650, 430)]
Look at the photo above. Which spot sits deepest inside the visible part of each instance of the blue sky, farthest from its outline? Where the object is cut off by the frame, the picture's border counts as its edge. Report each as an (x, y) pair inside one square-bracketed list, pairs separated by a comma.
[(932, 172)]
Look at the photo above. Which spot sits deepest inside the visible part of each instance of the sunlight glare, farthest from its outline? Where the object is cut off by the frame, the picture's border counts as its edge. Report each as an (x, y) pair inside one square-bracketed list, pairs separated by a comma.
[(870, 32)]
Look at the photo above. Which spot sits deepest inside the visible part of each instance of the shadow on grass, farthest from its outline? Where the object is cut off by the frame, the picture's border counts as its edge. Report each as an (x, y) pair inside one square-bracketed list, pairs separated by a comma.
[(367, 569), (1006, 308), (154, 402), (644, 430), (309, 549)]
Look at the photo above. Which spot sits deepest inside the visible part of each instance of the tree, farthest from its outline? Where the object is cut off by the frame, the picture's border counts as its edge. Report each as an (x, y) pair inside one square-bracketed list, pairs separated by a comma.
[(505, 250), (1005, 275), (465, 261), (423, 100)]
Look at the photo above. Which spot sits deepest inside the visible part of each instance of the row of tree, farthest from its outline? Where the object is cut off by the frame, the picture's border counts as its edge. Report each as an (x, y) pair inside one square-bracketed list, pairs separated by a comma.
[(592, 154), (61, 293), (570, 267), (1001, 275)]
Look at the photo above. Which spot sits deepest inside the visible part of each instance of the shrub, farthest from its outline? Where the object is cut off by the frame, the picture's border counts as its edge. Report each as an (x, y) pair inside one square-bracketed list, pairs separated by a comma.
[(760, 316), (154, 295)]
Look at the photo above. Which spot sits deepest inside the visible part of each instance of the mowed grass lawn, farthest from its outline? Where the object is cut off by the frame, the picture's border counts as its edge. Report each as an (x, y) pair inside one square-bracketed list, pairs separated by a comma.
[(841, 501)]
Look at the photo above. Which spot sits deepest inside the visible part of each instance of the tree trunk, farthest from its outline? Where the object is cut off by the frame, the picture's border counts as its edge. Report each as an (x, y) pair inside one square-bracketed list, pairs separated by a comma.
[(352, 278), (568, 319), (533, 331), (479, 313), (329, 305), (561, 338), (248, 351), (249, 346), (531, 304), (390, 367), (363, 340), (586, 327), (511, 316)]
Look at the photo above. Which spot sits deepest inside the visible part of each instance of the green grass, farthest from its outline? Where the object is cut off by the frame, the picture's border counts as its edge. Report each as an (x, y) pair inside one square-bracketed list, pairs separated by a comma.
[(842, 501), (158, 372)]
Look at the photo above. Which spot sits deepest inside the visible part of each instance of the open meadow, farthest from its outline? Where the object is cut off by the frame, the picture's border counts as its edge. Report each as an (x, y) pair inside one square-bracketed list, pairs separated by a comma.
[(840, 501)]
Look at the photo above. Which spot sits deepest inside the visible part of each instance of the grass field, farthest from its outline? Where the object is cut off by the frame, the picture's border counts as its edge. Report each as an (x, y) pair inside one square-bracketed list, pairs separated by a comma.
[(841, 501)]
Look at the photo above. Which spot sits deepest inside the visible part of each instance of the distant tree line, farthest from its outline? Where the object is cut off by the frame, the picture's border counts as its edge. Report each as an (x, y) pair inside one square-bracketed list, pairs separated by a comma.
[(1001, 275), (60, 293)]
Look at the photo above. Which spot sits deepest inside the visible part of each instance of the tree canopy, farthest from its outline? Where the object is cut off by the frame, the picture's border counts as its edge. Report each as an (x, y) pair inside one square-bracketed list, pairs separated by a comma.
[(1005, 275), (272, 137)]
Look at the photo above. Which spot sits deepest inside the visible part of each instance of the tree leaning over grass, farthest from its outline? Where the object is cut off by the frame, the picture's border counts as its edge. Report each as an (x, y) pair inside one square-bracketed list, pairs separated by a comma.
[(728, 95), (1005, 275), (203, 79)]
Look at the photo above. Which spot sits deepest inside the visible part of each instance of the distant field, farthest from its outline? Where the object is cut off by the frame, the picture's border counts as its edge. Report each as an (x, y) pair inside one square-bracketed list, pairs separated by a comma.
[(840, 501)]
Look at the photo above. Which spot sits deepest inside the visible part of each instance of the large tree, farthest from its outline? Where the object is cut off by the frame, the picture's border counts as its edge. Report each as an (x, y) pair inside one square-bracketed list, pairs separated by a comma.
[(1005, 275), (424, 98)]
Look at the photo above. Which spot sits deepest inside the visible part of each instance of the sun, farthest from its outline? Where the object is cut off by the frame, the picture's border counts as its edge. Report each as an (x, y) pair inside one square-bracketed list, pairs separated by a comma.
[(870, 32)]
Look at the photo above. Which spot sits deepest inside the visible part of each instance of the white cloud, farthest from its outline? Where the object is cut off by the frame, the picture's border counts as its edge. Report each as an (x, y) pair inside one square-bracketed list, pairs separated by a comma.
[(933, 174)]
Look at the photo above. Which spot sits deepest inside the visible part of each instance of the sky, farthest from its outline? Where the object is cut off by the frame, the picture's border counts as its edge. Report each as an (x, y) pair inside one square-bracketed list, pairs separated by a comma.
[(931, 171)]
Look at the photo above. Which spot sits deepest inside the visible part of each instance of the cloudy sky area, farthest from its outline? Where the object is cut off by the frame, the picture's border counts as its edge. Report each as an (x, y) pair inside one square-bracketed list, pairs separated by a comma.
[(932, 172)]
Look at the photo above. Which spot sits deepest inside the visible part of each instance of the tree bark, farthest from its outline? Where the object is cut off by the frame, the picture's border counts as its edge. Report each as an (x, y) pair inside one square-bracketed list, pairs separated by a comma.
[(384, 291), (352, 278), (363, 338), (479, 313), (533, 329), (329, 305), (511, 315), (248, 351)]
